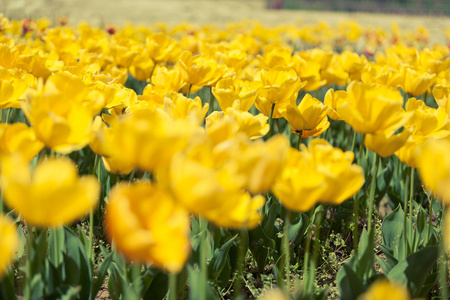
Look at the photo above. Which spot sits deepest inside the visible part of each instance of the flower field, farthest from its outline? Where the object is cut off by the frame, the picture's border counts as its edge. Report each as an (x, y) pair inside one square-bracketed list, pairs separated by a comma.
[(235, 162)]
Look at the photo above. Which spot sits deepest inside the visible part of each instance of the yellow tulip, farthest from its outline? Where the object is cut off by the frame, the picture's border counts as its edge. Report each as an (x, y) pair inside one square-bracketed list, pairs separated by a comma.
[(178, 106), (198, 70), (162, 48), (147, 225), (300, 185), (19, 138), (441, 94), (343, 179), (50, 197), (415, 82), (229, 89), (385, 290), (372, 109), (278, 84), (9, 242), (386, 144), (306, 116), (147, 139), (433, 163), (61, 112), (239, 121), (262, 162), (321, 173), (334, 99)]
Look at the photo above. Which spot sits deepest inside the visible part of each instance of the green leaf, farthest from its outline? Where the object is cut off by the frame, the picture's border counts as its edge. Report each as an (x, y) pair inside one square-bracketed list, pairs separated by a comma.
[(392, 230), (220, 258), (366, 256), (158, 288), (98, 282), (261, 246), (414, 270), (7, 290), (349, 284), (386, 267)]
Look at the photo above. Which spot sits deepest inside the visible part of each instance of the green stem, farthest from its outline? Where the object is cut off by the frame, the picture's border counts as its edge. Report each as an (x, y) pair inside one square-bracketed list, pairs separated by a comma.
[(240, 263), (326, 134), (278, 126), (172, 286), (151, 73), (271, 120), (287, 263), (55, 245), (354, 140), (348, 139), (189, 91), (356, 205), (411, 196), (443, 267), (203, 266), (29, 271), (211, 101), (8, 115), (372, 193), (312, 273), (405, 209), (430, 214), (299, 140), (307, 249)]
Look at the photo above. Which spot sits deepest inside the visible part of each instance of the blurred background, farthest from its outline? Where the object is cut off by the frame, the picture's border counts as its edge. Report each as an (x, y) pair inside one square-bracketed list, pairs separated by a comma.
[(407, 14), (420, 7)]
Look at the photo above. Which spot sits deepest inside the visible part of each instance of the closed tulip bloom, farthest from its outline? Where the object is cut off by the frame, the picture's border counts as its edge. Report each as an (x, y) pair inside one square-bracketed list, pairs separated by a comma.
[(53, 195), (372, 109), (307, 115), (147, 226), (9, 242), (334, 99)]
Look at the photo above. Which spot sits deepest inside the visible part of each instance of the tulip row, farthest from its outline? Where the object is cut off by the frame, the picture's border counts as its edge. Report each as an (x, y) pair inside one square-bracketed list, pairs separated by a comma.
[(204, 151)]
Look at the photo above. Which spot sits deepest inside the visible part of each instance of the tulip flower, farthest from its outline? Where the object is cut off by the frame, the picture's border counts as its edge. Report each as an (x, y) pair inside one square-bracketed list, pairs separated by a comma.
[(383, 289), (19, 138), (433, 162), (52, 196), (372, 109), (9, 242), (147, 226), (307, 116)]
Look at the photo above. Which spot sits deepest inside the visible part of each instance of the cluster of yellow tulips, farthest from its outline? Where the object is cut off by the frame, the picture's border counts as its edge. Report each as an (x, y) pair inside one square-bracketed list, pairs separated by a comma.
[(197, 135)]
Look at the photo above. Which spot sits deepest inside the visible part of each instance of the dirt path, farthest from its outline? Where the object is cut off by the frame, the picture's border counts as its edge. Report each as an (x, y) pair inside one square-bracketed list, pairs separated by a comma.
[(205, 11)]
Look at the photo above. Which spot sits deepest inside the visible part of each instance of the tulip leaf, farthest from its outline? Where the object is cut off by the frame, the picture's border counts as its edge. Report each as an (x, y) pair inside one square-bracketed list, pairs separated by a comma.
[(97, 284), (392, 230), (196, 286), (385, 266), (366, 256), (349, 284), (220, 258), (7, 290), (261, 246), (406, 271)]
